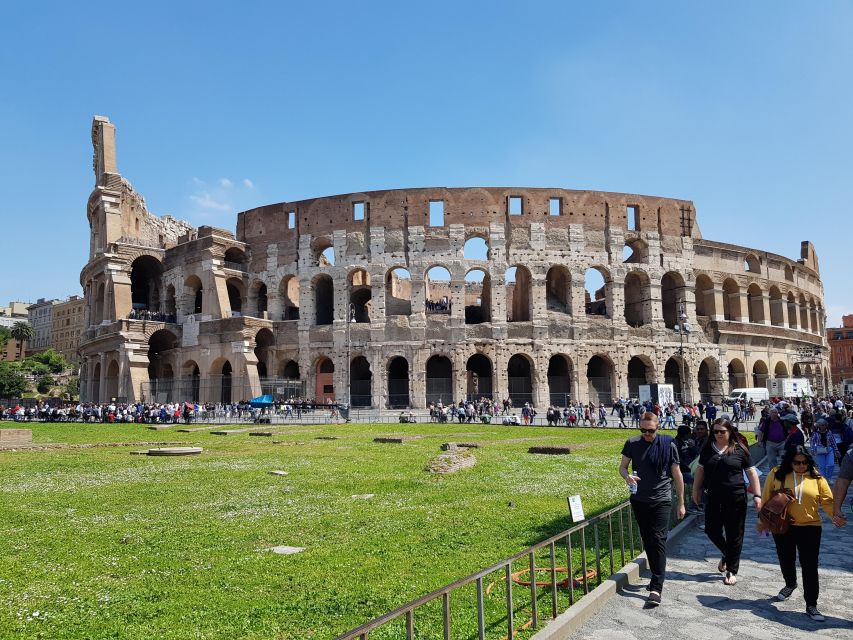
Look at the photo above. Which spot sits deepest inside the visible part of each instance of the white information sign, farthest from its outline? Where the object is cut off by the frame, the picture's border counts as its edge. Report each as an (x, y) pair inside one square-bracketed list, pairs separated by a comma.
[(576, 508)]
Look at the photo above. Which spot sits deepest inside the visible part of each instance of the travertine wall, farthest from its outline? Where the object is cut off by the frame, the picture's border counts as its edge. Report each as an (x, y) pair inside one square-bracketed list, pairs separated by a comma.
[(244, 317)]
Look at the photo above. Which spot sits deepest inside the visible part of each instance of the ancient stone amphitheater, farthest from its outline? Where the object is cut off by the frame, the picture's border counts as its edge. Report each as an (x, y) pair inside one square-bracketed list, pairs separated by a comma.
[(397, 298)]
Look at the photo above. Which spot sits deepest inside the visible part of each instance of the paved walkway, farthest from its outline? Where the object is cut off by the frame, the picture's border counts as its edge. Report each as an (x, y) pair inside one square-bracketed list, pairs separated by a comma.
[(697, 605)]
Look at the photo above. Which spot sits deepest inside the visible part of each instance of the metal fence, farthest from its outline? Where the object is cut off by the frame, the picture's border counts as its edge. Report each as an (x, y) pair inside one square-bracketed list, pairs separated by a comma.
[(598, 546)]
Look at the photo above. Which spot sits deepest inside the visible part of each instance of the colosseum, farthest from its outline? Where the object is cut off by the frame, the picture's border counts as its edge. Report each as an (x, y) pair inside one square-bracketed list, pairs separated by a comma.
[(397, 298)]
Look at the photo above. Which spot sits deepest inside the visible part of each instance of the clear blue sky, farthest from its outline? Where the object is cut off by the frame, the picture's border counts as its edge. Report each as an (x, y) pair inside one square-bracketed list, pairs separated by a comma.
[(742, 107)]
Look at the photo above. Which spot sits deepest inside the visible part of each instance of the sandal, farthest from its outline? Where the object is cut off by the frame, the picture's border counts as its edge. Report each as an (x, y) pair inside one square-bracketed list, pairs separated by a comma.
[(722, 566), (730, 579)]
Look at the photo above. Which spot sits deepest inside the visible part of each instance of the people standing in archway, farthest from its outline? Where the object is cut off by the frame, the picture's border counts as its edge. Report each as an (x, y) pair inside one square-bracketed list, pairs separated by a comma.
[(719, 480), (655, 463)]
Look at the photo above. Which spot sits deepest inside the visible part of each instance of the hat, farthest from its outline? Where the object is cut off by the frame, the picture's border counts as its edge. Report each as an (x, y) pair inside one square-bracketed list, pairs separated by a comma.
[(821, 421), (790, 417), (838, 404)]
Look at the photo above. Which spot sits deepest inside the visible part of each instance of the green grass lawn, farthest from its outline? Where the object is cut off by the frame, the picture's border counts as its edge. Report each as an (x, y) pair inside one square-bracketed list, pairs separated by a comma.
[(104, 544)]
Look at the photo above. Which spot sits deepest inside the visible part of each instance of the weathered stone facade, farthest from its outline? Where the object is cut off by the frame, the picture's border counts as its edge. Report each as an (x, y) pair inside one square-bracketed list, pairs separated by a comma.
[(316, 290)]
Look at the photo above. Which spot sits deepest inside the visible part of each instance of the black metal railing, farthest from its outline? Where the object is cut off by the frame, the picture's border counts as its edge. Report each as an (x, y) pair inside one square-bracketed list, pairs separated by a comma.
[(616, 524)]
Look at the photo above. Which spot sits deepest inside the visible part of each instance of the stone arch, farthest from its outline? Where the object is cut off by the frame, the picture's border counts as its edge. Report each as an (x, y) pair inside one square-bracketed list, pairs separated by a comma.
[(112, 381), (519, 284), (476, 247), (236, 296), (755, 303), (751, 264), (759, 374), (289, 296), (193, 295), (235, 258), (324, 387), (710, 380), (398, 383), (673, 297), (398, 292), (599, 375), (360, 382), (264, 350), (145, 275), (598, 285), (257, 300), (558, 289), (789, 273), (793, 316), (560, 376), (439, 379), (804, 314), (731, 300), (777, 313), (641, 370), (161, 344), (324, 299), (478, 296), (737, 374), (638, 297), (706, 301), (191, 380), (797, 370), (290, 370), (360, 295), (635, 251), (478, 377), (437, 284), (95, 395), (780, 370), (813, 320), (676, 373), (520, 374)]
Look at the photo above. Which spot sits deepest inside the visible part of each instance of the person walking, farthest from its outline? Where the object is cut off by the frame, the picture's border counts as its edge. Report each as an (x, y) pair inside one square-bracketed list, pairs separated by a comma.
[(824, 448), (797, 474), (719, 477), (655, 464), (771, 433)]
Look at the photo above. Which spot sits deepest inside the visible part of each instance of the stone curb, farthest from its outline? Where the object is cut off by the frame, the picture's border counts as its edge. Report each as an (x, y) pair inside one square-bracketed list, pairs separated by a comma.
[(565, 624)]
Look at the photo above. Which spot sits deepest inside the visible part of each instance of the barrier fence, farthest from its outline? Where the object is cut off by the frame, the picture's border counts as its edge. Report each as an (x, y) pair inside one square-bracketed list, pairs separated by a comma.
[(509, 595)]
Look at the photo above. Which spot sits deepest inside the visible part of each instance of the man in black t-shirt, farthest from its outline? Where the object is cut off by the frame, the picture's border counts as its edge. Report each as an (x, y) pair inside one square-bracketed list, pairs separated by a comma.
[(655, 463)]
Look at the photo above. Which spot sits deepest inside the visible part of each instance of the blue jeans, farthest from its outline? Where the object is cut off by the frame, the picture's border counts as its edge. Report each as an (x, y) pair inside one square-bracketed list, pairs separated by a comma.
[(825, 463)]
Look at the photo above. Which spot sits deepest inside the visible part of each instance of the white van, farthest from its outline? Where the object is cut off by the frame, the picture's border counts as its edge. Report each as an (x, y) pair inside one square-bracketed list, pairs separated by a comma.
[(755, 394)]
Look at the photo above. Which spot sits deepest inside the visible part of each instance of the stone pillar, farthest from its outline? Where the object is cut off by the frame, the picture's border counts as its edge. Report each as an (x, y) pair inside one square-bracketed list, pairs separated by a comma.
[(655, 313), (614, 294), (781, 307), (738, 302), (274, 307), (714, 301), (102, 383), (765, 306), (460, 376), (379, 379)]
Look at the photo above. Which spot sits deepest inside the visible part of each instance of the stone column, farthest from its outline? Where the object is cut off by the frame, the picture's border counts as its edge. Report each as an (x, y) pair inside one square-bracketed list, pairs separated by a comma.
[(781, 306), (714, 300), (102, 383), (765, 307), (738, 302)]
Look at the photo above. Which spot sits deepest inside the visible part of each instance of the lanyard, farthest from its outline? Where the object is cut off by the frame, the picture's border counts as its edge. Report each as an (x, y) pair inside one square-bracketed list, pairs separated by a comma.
[(798, 488)]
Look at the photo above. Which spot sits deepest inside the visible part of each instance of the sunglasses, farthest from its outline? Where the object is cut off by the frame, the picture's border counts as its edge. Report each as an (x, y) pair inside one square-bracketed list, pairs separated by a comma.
[(647, 430), (799, 462), (719, 431)]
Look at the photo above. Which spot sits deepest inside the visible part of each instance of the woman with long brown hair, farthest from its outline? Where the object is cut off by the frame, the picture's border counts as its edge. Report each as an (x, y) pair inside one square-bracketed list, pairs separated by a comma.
[(719, 476), (810, 490)]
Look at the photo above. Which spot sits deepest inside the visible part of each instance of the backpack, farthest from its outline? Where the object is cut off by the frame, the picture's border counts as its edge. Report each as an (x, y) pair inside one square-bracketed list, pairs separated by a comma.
[(774, 514)]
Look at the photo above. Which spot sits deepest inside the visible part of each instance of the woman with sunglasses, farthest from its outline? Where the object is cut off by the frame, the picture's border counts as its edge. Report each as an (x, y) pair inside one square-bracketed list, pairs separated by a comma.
[(722, 463), (811, 491)]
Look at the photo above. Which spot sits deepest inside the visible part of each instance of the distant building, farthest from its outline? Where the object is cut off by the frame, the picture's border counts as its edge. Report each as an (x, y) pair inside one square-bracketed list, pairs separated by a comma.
[(14, 312), (68, 321), (41, 318), (840, 342)]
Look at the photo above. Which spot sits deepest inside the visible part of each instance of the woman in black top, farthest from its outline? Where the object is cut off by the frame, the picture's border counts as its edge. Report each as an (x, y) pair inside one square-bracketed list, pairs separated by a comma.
[(722, 463)]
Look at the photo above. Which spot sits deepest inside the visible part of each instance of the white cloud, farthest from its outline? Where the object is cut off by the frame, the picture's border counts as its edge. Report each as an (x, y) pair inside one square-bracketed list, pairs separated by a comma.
[(225, 182), (206, 201), (198, 181), (248, 183)]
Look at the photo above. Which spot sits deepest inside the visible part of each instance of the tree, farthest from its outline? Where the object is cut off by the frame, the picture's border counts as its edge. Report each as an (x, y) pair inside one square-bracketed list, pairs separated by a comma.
[(72, 387), (12, 381), (5, 334), (44, 384), (53, 359), (21, 331)]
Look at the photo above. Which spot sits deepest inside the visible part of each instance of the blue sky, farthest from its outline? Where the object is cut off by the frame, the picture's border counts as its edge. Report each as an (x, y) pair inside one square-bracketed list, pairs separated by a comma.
[(742, 107)]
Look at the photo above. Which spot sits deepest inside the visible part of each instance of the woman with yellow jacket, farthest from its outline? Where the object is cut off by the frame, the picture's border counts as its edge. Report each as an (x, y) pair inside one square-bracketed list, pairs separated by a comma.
[(811, 491)]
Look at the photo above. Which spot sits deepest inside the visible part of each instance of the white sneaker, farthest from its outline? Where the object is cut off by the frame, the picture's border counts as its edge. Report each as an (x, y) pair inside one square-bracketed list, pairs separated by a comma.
[(814, 614)]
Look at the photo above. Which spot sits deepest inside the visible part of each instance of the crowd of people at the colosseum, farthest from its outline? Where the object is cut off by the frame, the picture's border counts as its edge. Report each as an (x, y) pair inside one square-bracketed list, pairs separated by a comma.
[(153, 316), (444, 305)]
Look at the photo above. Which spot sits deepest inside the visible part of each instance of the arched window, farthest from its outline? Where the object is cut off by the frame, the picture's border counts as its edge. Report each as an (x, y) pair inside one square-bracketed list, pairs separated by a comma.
[(324, 300), (478, 288), (438, 295), (597, 284), (398, 292), (518, 294), (558, 289)]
